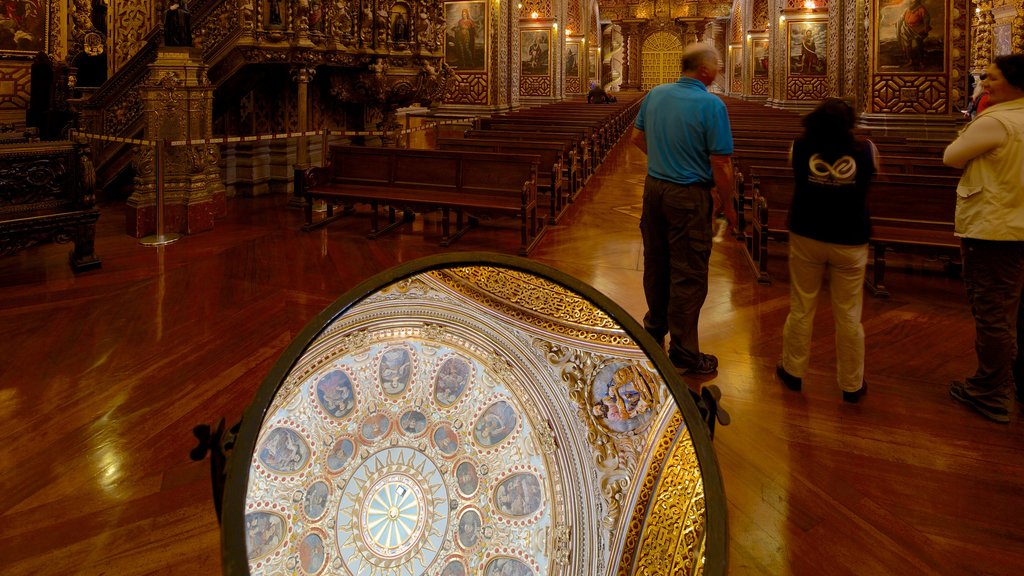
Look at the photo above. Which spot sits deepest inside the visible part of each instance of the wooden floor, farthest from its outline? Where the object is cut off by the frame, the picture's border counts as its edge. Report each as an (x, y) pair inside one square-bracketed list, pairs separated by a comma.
[(106, 373)]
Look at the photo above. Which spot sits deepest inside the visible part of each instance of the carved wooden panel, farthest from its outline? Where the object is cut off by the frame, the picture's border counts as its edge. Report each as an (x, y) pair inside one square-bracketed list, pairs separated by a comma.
[(806, 88), (131, 22), (15, 81), (573, 16), (736, 23), (799, 4), (543, 8), (468, 89), (759, 86), (915, 94), (573, 85), (535, 86), (759, 15)]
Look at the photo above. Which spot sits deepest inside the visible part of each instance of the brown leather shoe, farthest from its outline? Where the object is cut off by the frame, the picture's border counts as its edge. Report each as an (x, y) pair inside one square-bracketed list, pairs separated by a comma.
[(856, 395), (794, 383)]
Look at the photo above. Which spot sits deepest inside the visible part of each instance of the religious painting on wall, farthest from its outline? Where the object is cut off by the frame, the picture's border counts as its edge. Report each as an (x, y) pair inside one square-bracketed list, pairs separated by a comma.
[(592, 68), (807, 42), (465, 35), (735, 66), (572, 59), (759, 58), (910, 36), (533, 52), (24, 27)]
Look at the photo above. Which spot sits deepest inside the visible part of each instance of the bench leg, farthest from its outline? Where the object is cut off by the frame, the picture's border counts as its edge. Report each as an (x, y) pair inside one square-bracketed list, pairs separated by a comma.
[(393, 223), (459, 228), (328, 218), (83, 255), (876, 282)]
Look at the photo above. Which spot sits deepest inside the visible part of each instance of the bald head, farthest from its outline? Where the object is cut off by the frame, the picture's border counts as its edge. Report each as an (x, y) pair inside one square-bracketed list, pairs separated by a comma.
[(697, 54)]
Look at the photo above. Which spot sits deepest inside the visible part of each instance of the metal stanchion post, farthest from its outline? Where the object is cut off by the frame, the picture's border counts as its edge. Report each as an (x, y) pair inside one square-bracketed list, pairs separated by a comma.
[(160, 238)]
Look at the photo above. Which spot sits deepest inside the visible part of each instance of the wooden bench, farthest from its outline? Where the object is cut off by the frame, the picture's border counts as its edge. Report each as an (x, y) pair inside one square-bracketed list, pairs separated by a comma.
[(573, 149), (549, 154), (47, 194), (473, 182), (912, 213)]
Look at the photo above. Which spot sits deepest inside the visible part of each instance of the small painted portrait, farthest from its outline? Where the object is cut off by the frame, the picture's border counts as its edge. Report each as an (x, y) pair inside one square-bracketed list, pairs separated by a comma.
[(311, 553), (413, 422), (465, 35), (911, 35), (466, 476), (454, 568), (314, 503), (760, 58), (395, 370), (572, 60), (376, 427), (507, 567), (593, 70), (518, 495), (340, 454), (623, 396), (736, 59), (469, 529), (284, 450), (451, 380), (23, 26), (335, 394), (446, 440), (264, 532), (533, 48), (495, 424), (807, 43)]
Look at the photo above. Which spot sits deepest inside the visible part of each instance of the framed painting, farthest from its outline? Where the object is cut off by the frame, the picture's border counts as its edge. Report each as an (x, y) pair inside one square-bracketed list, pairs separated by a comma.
[(735, 65), (534, 53), (910, 36), (807, 42), (24, 28), (759, 58), (592, 68), (572, 59), (465, 35)]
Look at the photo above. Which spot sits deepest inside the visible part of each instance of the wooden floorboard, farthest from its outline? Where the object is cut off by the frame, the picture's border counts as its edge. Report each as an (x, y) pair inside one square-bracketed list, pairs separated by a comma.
[(106, 373)]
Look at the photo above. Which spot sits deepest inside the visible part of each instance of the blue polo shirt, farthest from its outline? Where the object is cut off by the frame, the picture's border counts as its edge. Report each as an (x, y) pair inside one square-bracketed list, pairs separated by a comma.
[(684, 125)]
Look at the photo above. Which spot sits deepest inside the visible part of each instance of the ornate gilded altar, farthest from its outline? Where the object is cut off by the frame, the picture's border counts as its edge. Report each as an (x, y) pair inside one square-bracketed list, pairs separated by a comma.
[(473, 414)]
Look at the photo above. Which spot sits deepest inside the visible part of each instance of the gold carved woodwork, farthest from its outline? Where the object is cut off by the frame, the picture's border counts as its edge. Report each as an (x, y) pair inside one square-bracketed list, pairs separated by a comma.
[(759, 15), (806, 88), (736, 23), (535, 86), (915, 94), (759, 86)]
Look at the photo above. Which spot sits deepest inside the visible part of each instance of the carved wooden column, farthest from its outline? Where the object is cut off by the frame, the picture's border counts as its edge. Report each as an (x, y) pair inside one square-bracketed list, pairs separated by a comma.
[(302, 75), (981, 47), (631, 32)]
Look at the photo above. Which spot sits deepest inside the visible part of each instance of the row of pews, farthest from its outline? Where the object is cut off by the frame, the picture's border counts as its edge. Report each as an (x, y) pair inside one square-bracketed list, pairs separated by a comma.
[(530, 164), (911, 202)]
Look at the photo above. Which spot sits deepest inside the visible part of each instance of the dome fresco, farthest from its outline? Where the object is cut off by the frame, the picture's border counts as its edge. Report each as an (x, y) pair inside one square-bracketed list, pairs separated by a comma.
[(449, 424)]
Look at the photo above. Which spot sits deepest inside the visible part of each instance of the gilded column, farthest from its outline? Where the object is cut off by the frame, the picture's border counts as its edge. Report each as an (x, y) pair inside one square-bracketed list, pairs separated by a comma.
[(302, 76)]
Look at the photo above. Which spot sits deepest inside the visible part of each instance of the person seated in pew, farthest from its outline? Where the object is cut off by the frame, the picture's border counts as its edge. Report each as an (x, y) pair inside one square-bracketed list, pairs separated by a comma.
[(597, 95), (829, 230), (990, 224)]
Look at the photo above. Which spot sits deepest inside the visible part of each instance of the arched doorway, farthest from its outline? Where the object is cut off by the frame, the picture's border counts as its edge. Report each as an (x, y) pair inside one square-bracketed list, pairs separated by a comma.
[(660, 59)]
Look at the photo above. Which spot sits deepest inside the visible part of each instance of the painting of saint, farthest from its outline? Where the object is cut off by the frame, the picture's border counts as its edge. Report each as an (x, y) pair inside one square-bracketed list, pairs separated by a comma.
[(736, 58), (376, 427), (264, 532), (451, 380), (495, 424), (469, 529), (413, 422), (315, 501), (572, 59), (465, 35), (518, 495), (507, 567), (592, 68), (623, 397), (533, 49), (23, 26), (395, 370), (910, 35), (334, 391), (311, 553), (807, 49), (283, 450), (340, 454), (760, 58), (467, 478), (446, 440)]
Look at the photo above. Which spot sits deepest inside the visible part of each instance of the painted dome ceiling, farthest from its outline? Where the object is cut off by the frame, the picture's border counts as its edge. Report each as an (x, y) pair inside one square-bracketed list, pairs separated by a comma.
[(465, 420)]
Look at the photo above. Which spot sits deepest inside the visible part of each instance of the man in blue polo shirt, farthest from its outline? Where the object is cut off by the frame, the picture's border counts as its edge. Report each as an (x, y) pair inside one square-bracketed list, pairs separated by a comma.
[(684, 130)]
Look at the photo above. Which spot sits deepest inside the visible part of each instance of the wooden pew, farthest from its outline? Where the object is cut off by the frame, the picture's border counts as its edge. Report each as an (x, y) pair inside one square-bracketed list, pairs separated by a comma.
[(549, 154), (586, 135), (48, 195), (912, 213), (574, 147), (472, 182)]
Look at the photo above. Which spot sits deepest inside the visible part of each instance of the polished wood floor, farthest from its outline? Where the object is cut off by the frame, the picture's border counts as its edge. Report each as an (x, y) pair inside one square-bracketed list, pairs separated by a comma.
[(106, 373)]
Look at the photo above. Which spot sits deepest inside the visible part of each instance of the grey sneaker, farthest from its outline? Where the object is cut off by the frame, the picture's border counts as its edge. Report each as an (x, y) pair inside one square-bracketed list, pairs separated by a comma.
[(1000, 415)]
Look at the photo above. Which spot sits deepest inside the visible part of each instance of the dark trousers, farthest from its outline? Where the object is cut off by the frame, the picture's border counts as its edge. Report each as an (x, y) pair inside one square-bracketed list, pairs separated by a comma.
[(676, 228), (994, 278)]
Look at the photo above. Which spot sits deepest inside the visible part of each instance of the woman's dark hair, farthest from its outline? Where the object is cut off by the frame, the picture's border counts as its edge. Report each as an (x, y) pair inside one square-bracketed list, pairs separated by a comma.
[(1012, 67), (829, 127)]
